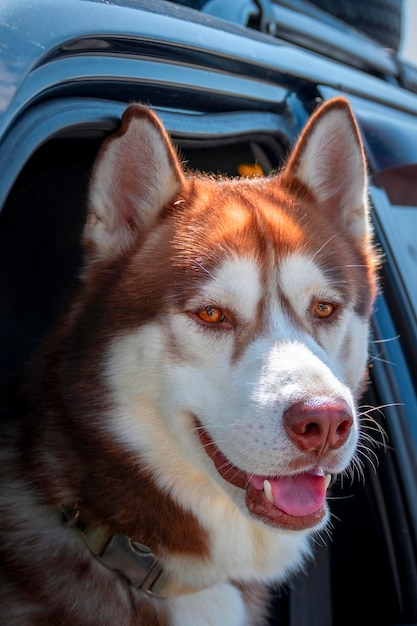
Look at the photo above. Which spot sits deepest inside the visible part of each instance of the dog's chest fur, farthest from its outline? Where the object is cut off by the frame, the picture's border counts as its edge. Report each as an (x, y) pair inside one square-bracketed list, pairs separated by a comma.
[(207, 370)]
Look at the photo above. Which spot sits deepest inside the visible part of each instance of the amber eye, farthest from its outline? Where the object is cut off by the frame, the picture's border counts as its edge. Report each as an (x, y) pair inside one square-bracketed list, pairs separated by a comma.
[(211, 315), (324, 309)]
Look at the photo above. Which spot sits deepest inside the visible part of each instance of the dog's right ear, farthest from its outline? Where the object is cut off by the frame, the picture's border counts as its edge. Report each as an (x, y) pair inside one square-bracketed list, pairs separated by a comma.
[(135, 174)]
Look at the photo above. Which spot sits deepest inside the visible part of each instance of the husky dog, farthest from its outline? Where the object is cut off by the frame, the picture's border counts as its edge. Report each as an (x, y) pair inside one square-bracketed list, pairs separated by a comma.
[(185, 416)]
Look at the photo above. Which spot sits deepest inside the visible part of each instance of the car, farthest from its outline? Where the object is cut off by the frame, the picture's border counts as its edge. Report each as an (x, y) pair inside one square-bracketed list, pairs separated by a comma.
[(234, 88)]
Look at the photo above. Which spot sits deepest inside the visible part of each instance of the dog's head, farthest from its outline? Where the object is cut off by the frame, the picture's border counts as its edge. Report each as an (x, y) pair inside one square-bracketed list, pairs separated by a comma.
[(228, 319)]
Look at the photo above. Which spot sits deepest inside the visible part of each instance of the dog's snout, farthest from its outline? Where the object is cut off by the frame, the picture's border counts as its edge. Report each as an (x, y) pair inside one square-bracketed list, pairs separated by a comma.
[(318, 426)]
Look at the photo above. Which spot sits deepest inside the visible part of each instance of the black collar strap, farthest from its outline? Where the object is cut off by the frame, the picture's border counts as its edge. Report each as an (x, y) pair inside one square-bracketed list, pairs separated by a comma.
[(130, 558)]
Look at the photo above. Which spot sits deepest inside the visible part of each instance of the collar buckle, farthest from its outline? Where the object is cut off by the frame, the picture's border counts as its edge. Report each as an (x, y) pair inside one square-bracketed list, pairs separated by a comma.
[(130, 558), (135, 561), (118, 552)]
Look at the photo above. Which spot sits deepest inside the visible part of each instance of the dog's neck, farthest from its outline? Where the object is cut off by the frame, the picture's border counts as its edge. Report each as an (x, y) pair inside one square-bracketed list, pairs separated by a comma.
[(130, 558)]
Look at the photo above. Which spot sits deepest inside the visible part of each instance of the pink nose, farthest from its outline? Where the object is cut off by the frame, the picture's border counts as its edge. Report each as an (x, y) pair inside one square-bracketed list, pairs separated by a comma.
[(319, 425)]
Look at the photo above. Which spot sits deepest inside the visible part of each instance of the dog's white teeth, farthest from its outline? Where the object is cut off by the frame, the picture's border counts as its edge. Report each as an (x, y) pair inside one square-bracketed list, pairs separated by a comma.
[(268, 491), (327, 479)]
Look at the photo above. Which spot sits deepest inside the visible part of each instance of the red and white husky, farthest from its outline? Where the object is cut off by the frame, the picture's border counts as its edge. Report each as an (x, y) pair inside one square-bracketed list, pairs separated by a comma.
[(186, 415)]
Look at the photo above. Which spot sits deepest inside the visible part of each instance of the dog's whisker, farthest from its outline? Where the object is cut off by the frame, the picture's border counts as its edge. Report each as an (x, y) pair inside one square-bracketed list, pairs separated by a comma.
[(356, 468), (369, 440), (323, 537), (366, 454), (370, 425), (366, 409), (201, 266), (381, 360), (341, 267), (322, 247), (385, 340)]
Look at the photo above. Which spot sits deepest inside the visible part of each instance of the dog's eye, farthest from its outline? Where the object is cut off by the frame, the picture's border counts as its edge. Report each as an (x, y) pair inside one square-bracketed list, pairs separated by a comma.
[(211, 315), (214, 317), (323, 310)]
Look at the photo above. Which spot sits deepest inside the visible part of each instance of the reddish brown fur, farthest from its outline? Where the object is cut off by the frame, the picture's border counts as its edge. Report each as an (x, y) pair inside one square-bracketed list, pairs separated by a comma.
[(66, 456)]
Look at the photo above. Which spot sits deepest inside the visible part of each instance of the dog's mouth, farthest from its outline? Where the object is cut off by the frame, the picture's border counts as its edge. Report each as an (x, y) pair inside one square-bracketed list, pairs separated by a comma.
[(295, 502)]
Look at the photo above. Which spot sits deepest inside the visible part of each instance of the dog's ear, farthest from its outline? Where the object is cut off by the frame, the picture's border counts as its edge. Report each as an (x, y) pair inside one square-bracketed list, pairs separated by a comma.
[(135, 174), (329, 159)]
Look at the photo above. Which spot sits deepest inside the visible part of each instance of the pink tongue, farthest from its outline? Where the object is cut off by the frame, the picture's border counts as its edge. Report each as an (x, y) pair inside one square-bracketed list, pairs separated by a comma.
[(298, 495)]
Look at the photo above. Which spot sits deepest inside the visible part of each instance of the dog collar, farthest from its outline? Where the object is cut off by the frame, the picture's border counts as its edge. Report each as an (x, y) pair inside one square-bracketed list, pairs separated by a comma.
[(130, 558)]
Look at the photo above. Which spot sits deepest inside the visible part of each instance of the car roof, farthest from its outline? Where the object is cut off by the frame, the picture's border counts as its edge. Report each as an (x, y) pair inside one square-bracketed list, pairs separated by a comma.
[(43, 42)]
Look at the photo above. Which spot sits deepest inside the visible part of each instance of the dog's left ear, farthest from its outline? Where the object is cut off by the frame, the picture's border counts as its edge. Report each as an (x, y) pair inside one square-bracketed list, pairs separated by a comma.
[(329, 159), (135, 174)]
